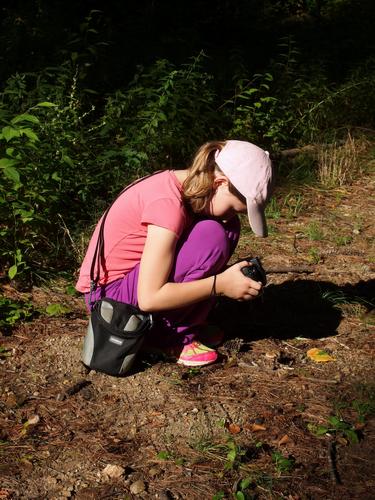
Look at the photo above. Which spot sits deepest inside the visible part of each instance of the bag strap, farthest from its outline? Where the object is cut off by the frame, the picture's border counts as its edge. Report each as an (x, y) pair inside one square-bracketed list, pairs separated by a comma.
[(98, 259)]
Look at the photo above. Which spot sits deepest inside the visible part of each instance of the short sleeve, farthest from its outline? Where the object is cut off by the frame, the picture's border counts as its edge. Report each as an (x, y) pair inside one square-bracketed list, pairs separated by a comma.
[(167, 213)]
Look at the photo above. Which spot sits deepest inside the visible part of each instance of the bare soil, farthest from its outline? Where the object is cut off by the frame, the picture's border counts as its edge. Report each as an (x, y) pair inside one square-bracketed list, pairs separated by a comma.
[(265, 422)]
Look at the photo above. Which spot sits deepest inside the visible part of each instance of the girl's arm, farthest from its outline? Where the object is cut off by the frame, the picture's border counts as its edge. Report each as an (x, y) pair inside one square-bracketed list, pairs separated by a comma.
[(155, 293)]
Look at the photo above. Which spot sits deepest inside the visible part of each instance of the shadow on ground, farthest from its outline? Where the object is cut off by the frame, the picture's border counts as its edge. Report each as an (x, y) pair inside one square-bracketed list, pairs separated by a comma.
[(301, 308)]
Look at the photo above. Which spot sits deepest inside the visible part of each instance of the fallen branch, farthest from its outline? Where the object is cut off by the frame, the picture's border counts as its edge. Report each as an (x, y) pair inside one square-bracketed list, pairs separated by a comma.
[(332, 462), (309, 148), (290, 153)]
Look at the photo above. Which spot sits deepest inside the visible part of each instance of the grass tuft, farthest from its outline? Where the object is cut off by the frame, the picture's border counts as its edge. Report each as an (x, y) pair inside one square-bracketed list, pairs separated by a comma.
[(340, 164)]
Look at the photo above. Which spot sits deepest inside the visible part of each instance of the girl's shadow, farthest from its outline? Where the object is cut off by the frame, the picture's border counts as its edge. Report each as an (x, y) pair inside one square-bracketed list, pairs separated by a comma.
[(301, 308)]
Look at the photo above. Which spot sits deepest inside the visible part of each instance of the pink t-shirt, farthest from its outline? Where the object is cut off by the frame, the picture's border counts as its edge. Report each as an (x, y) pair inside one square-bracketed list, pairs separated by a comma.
[(156, 200)]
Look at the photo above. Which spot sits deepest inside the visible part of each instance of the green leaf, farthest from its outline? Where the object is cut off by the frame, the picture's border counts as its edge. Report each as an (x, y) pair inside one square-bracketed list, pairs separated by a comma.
[(180, 461), (55, 176), (352, 435), (231, 456), (7, 162), (30, 134), (12, 174), (164, 455), (239, 495), (335, 422), (219, 495), (26, 215), (46, 105), (66, 159), (12, 271), (71, 290), (4, 352), (90, 91), (25, 118), (57, 310), (245, 483), (321, 430), (10, 132), (317, 430)]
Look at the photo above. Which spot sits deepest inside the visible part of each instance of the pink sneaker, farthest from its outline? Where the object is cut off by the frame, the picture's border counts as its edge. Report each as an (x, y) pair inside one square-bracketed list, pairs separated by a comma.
[(196, 354)]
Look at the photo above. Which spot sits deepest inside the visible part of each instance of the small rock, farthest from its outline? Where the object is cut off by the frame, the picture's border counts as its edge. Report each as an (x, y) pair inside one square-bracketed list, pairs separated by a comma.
[(137, 487), (51, 482), (163, 496), (33, 420), (67, 492), (113, 471), (153, 472)]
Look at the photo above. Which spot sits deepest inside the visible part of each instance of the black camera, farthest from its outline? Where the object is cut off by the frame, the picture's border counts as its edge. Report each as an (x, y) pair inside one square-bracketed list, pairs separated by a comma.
[(255, 271)]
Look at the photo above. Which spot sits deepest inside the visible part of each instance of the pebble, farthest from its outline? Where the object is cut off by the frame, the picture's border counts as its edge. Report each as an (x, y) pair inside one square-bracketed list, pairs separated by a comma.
[(113, 471), (153, 472), (137, 487), (67, 492)]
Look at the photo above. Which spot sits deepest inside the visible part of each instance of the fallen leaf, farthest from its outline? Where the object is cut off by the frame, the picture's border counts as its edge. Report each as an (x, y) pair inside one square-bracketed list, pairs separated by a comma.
[(358, 426), (33, 420), (271, 355), (319, 355), (283, 440), (257, 427), (234, 428), (113, 471), (25, 462), (341, 440), (5, 493)]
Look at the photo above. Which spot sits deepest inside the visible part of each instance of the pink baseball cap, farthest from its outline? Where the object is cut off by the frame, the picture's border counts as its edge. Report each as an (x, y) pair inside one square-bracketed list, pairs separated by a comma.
[(249, 169)]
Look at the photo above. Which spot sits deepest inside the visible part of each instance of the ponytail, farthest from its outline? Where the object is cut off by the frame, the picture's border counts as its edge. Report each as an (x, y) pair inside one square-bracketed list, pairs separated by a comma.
[(197, 188)]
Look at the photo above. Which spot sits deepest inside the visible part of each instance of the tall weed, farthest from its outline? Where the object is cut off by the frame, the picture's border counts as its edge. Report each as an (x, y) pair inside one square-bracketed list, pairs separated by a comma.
[(340, 164)]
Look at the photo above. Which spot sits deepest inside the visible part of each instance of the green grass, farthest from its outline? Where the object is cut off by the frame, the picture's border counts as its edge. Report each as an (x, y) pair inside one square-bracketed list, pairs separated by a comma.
[(314, 231)]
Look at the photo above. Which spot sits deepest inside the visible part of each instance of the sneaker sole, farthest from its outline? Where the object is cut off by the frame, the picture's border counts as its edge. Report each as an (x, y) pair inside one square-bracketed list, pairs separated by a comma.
[(195, 363)]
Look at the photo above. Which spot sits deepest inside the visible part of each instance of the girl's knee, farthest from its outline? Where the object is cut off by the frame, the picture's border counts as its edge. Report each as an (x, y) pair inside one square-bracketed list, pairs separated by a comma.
[(204, 250), (210, 230)]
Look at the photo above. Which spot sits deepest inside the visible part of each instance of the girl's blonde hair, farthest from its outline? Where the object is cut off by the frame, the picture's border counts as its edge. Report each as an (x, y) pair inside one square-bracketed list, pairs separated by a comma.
[(197, 188)]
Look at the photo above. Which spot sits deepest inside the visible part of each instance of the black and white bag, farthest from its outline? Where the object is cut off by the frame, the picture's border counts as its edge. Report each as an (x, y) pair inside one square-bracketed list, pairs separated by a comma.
[(115, 334), (116, 330)]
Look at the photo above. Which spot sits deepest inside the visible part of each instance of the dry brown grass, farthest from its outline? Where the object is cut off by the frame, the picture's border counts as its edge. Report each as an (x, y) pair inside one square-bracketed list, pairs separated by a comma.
[(340, 164)]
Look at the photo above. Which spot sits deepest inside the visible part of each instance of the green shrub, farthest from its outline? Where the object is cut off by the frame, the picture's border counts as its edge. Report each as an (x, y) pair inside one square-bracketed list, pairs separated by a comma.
[(62, 159), (164, 114)]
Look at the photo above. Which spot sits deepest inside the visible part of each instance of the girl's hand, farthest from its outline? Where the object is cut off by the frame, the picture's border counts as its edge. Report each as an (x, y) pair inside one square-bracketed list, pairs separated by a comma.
[(235, 285)]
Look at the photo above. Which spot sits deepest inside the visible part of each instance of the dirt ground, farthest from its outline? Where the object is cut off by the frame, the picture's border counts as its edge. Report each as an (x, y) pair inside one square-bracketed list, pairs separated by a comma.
[(265, 422)]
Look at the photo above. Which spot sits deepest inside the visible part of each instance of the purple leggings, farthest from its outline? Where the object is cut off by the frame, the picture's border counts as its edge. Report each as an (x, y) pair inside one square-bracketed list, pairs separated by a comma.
[(202, 251)]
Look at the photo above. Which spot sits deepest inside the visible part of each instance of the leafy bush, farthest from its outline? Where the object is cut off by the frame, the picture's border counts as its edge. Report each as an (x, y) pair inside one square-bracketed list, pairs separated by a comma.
[(12, 312), (163, 115), (65, 150), (45, 176), (292, 103), (61, 158)]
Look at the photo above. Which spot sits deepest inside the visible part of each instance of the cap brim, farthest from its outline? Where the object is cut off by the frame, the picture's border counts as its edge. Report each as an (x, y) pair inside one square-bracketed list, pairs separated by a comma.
[(257, 218)]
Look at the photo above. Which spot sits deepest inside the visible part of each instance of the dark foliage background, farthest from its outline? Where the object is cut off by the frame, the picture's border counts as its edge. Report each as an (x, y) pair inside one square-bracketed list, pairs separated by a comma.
[(95, 93), (336, 34)]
